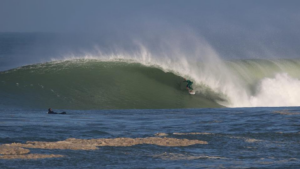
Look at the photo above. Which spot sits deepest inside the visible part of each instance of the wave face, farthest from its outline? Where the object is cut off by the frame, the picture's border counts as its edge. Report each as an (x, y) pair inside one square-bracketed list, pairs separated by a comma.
[(94, 84), (127, 84)]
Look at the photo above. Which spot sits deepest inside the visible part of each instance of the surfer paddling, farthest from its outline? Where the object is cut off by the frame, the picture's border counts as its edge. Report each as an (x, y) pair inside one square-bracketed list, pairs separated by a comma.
[(52, 112)]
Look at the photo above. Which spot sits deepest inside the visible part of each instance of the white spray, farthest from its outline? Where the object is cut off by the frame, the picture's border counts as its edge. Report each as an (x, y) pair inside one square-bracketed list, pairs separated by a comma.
[(192, 57)]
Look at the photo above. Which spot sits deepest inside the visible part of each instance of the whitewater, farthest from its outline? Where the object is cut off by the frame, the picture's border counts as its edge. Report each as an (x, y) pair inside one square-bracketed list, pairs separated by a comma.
[(128, 107), (146, 76), (119, 84), (119, 70)]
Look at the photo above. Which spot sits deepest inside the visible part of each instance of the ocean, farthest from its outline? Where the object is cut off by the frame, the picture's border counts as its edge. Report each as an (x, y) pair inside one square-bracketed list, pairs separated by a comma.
[(128, 107)]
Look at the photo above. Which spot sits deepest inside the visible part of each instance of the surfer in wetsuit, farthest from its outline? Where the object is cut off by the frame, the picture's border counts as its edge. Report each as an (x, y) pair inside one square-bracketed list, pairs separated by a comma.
[(189, 84), (52, 112)]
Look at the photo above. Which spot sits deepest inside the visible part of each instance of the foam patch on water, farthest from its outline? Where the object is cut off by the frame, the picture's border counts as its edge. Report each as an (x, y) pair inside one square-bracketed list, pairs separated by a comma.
[(286, 112), (18, 151), (182, 134), (273, 161), (194, 133), (93, 144), (177, 156), (30, 156)]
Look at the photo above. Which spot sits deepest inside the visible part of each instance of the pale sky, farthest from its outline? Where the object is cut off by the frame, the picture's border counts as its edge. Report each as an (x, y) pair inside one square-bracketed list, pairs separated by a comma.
[(95, 15), (228, 25)]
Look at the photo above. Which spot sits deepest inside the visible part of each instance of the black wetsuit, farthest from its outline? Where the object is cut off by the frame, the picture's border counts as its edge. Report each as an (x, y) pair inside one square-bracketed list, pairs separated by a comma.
[(52, 112)]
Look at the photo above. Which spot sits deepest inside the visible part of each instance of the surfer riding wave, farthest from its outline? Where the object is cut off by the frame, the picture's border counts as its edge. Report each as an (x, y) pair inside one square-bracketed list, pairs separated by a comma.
[(189, 84)]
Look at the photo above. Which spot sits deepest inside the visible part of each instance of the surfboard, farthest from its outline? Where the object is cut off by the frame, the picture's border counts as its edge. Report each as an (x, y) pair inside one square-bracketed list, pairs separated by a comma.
[(57, 113), (192, 92)]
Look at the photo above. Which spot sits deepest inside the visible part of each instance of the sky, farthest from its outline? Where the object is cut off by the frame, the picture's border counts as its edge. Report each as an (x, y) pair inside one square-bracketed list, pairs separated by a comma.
[(252, 25), (95, 15)]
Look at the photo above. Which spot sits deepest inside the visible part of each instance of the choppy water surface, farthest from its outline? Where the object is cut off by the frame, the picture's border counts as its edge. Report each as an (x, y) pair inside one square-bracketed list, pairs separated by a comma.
[(237, 138)]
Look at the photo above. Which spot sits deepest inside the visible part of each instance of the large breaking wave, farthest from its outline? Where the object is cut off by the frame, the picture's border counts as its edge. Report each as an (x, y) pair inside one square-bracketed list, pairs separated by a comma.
[(140, 72), (133, 84)]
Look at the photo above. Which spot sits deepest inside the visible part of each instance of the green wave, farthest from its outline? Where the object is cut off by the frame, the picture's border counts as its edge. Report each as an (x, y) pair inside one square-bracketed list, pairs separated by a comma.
[(94, 84), (124, 84)]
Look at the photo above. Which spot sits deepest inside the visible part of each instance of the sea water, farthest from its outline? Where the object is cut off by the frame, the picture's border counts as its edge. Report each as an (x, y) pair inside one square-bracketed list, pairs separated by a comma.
[(138, 94), (236, 137)]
